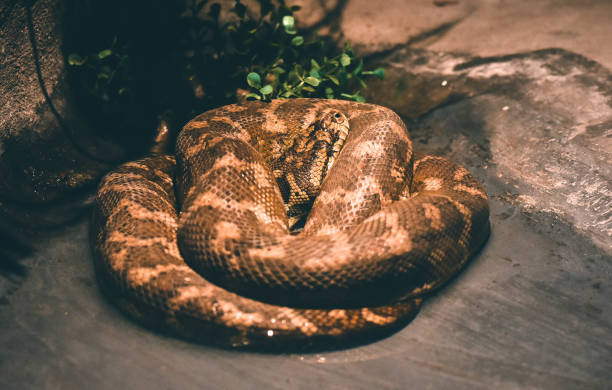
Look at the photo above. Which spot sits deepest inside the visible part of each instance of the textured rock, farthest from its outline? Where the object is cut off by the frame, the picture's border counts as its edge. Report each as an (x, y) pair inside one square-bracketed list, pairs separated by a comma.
[(313, 12), (481, 27), (499, 27), (373, 26), (49, 157), (46, 150), (543, 119)]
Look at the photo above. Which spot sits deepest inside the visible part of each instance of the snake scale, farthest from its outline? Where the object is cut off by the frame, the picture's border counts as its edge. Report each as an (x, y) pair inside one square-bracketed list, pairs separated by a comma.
[(284, 222)]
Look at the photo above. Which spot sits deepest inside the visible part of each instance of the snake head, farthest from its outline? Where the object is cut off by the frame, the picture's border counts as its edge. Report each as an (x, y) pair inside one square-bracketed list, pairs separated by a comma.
[(336, 125)]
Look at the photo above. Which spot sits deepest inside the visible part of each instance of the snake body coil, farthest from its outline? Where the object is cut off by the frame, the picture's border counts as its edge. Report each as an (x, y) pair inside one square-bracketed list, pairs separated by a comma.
[(240, 264)]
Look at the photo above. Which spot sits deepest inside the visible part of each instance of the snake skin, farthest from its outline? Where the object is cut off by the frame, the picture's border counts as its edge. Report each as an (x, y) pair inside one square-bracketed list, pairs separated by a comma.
[(206, 244)]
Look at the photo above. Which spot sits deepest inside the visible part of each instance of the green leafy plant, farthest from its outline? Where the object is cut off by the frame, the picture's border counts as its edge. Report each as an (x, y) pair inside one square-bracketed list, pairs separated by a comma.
[(104, 73), (262, 52), (189, 56)]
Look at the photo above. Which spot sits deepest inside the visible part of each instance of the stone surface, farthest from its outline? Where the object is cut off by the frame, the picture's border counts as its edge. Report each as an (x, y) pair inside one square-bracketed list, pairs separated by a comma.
[(314, 12), (498, 27), (482, 27), (46, 149), (546, 119), (373, 26)]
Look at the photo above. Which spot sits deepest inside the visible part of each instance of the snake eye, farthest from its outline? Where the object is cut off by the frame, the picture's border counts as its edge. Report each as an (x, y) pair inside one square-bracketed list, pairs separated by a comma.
[(337, 115)]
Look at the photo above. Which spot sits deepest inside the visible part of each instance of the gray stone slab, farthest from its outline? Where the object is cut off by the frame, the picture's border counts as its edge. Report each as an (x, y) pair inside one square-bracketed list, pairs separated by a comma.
[(539, 122), (498, 27)]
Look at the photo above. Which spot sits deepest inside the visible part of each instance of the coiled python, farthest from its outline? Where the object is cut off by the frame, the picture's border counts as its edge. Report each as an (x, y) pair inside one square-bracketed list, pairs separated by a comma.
[(212, 244)]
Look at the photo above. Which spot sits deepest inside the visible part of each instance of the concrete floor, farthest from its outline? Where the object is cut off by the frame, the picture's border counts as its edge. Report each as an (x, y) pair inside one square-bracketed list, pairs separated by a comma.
[(531, 311)]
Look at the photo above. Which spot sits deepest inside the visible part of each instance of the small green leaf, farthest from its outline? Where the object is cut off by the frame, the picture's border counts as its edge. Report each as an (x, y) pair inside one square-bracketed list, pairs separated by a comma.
[(345, 60), (287, 94), (357, 97), (314, 64), (76, 60), (329, 93), (309, 89), (333, 79), (251, 96), (298, 72), (289, 24), (254, 79), (312, 81), (292, 77), (266, 90), (297, 41), (277, 70), (358, 68), (104, 53), (378, 72)]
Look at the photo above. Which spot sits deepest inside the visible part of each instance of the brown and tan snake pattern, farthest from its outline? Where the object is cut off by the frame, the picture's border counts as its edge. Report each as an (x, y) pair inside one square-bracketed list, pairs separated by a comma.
[(213, 245)]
